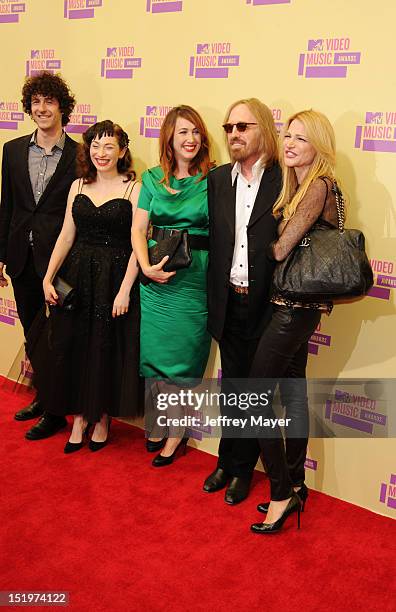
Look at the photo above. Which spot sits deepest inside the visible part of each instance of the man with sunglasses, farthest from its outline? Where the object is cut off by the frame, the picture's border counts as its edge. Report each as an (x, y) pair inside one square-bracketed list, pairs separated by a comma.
[(241, 227)]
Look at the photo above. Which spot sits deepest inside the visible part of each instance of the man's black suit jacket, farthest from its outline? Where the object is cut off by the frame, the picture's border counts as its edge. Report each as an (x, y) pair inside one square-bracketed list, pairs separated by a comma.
[(19, 213), (261, 230)]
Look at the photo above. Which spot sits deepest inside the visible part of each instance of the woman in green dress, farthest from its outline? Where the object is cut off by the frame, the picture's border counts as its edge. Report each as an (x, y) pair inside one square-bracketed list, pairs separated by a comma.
[(175, 342)]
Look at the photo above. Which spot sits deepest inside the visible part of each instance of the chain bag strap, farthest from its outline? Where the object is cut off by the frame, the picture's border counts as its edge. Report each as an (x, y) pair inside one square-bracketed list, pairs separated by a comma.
[(329, 263)]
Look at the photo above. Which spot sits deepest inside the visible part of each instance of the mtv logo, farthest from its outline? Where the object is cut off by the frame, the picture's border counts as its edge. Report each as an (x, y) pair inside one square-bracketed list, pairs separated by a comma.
[(2, 105), (151, 110), (35, 53), (374, 117), (111, 51), (315, 45), (202, 48)]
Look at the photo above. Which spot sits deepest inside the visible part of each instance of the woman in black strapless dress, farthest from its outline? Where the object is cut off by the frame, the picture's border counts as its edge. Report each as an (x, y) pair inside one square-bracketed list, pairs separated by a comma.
[(87, 361)]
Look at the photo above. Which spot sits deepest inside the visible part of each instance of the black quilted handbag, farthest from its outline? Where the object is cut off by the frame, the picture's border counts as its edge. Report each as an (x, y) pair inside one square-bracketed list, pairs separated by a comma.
[(178, 249), (328, 264)]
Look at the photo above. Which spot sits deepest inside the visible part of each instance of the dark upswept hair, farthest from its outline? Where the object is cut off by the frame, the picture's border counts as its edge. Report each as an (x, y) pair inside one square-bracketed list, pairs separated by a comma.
[(201, 162), (52, 85), (85, 168)]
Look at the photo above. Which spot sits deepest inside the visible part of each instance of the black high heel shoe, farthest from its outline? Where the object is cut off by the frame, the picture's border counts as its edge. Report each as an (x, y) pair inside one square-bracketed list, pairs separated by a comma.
[(294, 505), (153, 447), (302, 493), (72, 447), (160, 460), (95, 446)]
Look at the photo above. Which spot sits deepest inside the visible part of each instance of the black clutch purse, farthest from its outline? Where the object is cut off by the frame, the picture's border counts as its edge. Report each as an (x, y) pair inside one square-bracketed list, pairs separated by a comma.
[(67, 297), (328, 264), (177, 247)]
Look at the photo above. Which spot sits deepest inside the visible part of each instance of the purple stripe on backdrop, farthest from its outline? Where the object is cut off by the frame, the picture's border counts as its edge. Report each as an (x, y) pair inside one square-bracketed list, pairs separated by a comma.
[(320, 339), (379, 292), (75, 128), (94, 3), (82, 14), (102, 68), (341, 419), (248, 1), (141, 130), (205, 429), (383, 281), (26, 373), (133, 62), (18, 8), (191, 73), (383, 490), (382, 146), (228, 60), (393, 479), (358, 137), (168, 7), (27, 67), (373, 417), (192, 433), (37, 72), (89, 119), (313, 348), (9, 18), (152, 133), (326, 72), (119, 74), (264, 2), (17, 117), (350, 58), (394, 133), (391, 502), (328, 409), (311, 464), (148, 6), (65, 4), (7, 320), (211, 73), (301, 63), (54, 64), (8, 125)]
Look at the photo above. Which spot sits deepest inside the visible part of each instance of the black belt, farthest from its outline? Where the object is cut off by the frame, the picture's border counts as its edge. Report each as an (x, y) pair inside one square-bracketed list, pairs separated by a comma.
[(200, 243)]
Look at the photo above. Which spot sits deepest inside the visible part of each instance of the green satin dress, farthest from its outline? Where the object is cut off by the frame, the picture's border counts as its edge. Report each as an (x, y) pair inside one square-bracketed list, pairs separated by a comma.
[(175, 343)]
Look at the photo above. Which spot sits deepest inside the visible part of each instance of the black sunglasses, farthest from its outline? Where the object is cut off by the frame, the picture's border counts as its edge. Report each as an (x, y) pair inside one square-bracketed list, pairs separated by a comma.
[(241, 126)]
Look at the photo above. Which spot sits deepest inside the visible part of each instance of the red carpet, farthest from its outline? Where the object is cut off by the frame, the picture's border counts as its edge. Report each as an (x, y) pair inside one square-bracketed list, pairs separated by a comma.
[(120, 535)]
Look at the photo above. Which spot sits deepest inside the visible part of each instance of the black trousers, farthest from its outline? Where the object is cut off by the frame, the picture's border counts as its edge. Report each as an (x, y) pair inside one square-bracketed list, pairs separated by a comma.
[(237, 456), (28, 293), (282, 354)]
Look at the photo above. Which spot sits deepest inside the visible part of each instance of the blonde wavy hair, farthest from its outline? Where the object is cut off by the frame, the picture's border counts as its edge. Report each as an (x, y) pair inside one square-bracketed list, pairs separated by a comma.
[(320, 135), (266, 126)]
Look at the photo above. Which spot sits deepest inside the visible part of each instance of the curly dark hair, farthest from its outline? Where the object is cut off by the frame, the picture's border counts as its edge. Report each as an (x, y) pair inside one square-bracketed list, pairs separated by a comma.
[(48, 84), (85, 168)]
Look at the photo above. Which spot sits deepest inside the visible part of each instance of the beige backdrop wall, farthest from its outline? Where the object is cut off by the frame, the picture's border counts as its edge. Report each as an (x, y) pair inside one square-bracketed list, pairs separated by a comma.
[(130, 60)]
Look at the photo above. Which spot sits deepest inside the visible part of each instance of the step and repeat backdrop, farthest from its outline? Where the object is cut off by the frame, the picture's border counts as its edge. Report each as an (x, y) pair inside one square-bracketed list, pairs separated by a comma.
[(132, 60)]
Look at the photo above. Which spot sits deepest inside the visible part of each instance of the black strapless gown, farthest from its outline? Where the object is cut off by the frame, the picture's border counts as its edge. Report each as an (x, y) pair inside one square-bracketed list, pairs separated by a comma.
[(85, 361)]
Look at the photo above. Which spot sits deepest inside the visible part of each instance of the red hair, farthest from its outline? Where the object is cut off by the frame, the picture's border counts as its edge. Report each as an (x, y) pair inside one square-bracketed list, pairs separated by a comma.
[(201, 162)]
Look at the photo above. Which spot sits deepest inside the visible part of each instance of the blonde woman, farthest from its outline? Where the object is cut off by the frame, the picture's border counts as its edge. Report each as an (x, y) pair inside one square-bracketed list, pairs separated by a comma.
[(308, 160)]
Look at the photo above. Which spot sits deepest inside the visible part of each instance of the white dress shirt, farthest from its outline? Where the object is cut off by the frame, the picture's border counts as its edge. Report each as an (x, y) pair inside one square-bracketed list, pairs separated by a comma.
[(246, 193)]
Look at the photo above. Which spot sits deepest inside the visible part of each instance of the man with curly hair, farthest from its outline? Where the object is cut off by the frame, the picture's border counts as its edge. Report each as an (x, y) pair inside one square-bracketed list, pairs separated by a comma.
[(37, 171)]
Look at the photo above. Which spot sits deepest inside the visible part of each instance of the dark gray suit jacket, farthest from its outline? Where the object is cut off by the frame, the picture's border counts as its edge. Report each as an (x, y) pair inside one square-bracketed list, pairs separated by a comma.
[(19, 213), (262, 230)]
